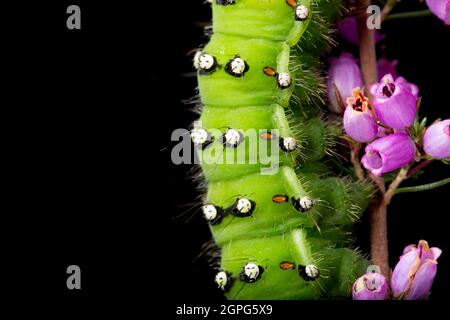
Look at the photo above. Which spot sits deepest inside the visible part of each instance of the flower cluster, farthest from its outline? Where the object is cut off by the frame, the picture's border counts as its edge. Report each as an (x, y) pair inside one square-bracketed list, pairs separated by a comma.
[(385, 125), (412, 277)]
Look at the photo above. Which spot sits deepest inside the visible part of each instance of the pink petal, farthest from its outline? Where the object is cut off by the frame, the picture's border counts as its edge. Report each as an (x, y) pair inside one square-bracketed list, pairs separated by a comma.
[(374, 88), (409, 248), (436, 253), (423, 281), (344, 75), (360, 125), (441, 8), (404, 273), (394, 150), (399, 108), (436, 140), (371, 286)]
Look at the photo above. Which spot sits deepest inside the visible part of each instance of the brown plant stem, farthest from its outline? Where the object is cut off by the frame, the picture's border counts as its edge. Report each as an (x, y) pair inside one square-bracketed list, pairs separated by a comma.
[(367, 52), (378, 236), (378, 214), (378, 229), (378, 220)]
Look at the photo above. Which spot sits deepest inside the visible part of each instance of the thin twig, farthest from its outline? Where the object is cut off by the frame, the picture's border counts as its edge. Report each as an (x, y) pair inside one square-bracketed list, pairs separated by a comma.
[(354, 157), (379, 182), (419, 167), (402, 175), (390, 4), (424, 187), (413, 14)]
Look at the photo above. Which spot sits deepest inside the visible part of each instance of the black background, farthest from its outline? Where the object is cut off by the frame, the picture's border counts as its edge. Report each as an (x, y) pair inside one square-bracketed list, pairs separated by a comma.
[(420, 47), (91, 183)]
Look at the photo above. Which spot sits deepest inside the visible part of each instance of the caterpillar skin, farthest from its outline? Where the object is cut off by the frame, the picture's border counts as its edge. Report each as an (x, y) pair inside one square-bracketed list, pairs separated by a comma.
[(281, 235)]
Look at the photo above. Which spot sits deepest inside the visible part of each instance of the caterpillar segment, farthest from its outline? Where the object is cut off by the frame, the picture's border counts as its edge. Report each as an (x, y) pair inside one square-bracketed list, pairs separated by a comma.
[(295, 266), (280, 219)]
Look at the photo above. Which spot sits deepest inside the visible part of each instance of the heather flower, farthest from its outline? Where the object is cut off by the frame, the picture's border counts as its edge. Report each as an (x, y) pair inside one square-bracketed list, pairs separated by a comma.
[(395, 102), (359, 122), (343, 76), (371, 286), (441, 9), (414, 274), (388, 153), (436, 140)]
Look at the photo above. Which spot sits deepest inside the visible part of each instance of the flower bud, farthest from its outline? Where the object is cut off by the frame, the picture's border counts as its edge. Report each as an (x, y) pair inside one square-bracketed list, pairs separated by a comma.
[(388, 153), (414, 274), (395, 101), (436, 140), (441, 9), (371, 286), (359, 122), (343, 75)]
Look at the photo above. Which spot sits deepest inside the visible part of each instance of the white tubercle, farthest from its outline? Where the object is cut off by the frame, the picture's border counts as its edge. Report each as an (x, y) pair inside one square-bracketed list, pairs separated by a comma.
[(205, 61), (301, 12), (244, 205), (199, 136), (221, 279), (210, 212), (237, 66), (251, 270), (289, 143), (284, 80), (232, 137), (306, 203), (311, 271)]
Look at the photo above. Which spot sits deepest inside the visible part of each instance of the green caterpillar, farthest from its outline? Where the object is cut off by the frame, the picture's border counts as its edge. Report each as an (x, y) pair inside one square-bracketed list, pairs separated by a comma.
[(281, 219)]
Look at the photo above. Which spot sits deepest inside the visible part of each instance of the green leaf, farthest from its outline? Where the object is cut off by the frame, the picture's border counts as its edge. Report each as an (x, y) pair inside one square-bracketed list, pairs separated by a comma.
[(412, 14), (424, 187), (418, 130)]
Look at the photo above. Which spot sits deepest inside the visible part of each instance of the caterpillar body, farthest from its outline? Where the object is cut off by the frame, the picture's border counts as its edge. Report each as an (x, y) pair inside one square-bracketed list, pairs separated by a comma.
[(282, 233)]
